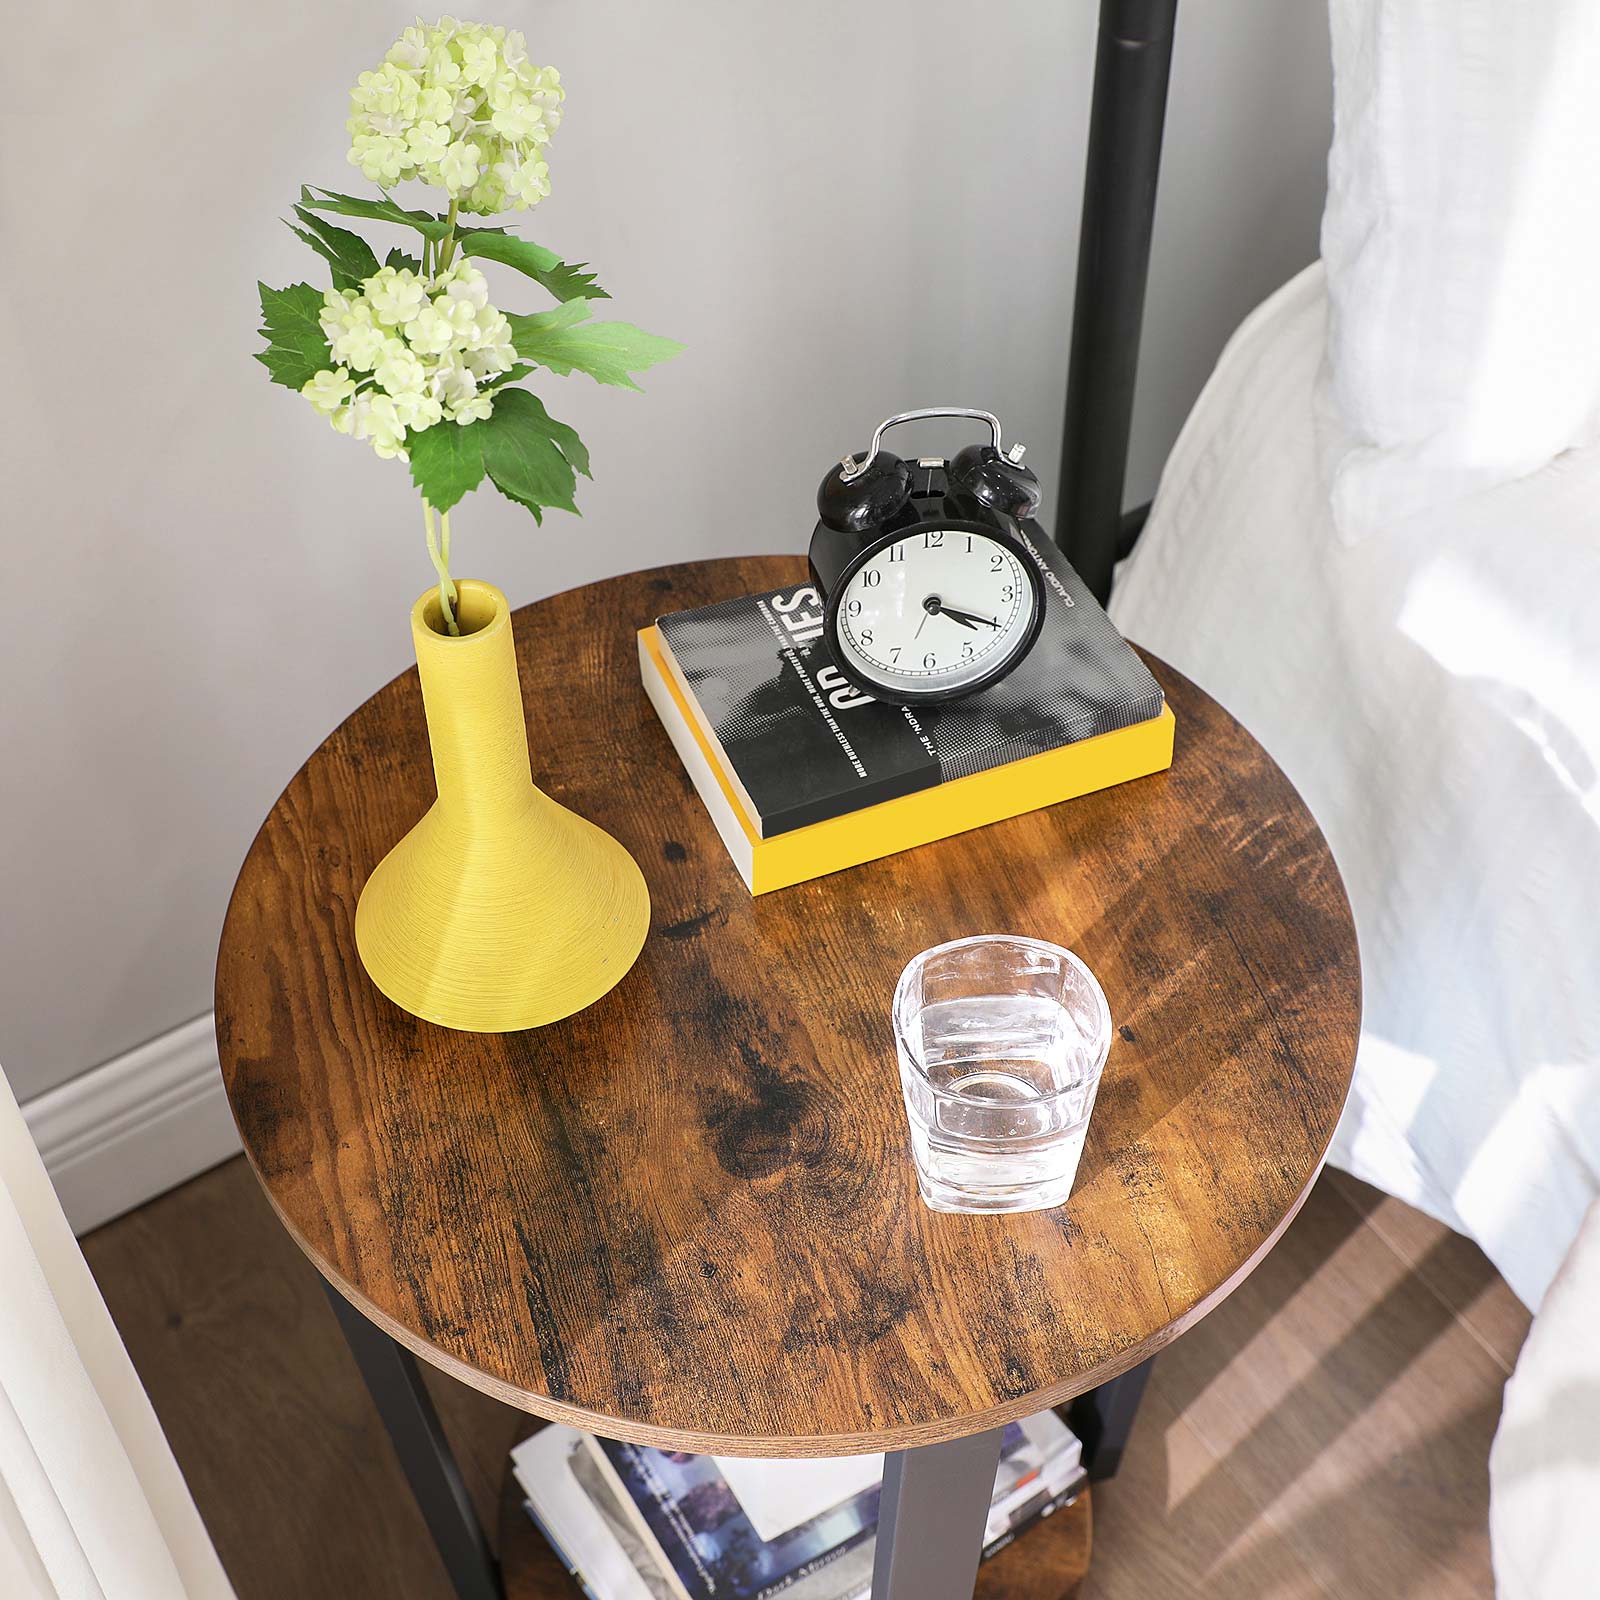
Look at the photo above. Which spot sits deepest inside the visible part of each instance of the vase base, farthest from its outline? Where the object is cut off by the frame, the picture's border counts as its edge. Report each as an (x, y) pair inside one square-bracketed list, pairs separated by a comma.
[(496, 933)]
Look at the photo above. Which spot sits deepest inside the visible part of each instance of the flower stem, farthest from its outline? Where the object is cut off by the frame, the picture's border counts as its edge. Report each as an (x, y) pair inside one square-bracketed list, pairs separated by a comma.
[(447, 246), (441, 565)]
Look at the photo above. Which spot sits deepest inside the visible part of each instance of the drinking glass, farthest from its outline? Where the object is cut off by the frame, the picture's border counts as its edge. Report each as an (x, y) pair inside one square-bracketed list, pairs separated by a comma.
[(1001, 1041)]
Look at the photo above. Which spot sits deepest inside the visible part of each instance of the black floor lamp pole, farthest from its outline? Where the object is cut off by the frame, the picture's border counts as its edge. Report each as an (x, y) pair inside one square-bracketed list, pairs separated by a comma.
[(1132, 62)]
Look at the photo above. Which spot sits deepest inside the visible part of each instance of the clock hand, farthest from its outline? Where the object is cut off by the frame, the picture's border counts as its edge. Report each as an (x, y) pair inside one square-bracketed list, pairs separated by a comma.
[(967, 618), (930, 608)]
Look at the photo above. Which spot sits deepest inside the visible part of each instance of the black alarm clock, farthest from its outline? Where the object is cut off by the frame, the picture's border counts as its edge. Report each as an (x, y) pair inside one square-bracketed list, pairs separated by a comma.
[(930, 594)]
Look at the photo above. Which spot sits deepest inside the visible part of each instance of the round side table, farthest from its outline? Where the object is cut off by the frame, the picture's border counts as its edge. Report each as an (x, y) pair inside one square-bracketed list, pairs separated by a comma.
[(687, 1216)]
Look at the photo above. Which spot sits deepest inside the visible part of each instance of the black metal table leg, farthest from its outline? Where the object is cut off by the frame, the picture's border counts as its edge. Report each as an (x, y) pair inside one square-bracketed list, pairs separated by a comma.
[(1103, 1418), (931, 1518), (1133, 60), (402, 1399)]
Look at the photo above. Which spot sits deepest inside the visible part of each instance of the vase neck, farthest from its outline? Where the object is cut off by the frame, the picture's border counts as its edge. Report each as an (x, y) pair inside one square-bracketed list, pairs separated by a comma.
[(473, 698)]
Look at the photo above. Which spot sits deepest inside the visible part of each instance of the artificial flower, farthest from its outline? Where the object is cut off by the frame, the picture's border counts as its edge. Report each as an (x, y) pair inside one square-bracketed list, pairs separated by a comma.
[(411, 353), (459, 106)]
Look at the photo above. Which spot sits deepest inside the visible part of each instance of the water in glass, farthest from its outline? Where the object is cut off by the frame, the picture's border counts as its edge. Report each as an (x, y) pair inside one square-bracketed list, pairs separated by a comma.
[(999, 1085)]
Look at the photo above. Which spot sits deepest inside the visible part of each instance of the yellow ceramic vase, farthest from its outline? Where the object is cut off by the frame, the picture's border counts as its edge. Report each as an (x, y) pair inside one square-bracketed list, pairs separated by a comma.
[(500, 909)]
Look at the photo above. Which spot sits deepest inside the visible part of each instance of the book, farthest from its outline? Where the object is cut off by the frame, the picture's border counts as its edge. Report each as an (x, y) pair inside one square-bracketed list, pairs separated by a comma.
[(702, 1534), (780, 1495), (591, 1550), (1046, 1465), (802, 774), (578, 1503)]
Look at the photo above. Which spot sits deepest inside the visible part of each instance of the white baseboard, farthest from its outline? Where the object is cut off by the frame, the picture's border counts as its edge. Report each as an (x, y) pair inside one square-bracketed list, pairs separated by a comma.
[(127, 1131)]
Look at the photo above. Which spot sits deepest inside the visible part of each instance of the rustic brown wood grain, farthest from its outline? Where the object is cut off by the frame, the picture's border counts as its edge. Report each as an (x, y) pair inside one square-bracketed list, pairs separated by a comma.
[(294, 1476), (687, 1216), (1047, 1562)]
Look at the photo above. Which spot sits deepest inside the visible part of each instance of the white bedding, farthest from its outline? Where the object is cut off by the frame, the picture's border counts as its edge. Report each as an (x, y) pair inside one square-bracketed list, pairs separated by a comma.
[(1434, 693), (1544, 1470)]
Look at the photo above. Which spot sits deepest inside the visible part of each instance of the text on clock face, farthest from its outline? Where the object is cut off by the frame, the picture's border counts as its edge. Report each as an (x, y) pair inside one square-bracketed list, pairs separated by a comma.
[(939, 604)]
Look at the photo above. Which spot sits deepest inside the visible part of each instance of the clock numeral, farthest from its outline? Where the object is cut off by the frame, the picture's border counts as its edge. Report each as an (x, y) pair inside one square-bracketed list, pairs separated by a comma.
[(966, 652), (969, 544), (995, 562), (1008, 592), (866, 636), (897, 552), (871, 578), (930, 660), (933, 541), (894, 654), (853, 608)]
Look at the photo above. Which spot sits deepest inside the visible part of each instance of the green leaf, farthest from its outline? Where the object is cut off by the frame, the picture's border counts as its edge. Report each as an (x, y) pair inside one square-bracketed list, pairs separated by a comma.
[(348, 254), (384, 210), (296, 347), (495, 244), (534, 330), (566, 281), (572, 281), (446, 461), (529, 455), (607, 351), (566, 439), (537, 327), (399, 260)]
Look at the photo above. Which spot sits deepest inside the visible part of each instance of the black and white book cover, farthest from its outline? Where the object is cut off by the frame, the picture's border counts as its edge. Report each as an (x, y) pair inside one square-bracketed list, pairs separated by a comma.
[(804, 745)]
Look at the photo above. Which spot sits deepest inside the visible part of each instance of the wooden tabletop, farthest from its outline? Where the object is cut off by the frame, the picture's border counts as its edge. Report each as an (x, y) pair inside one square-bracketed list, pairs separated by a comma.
[(687, 1216)]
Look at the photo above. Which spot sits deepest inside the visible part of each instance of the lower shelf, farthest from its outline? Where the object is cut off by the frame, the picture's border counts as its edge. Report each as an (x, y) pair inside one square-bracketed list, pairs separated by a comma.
[(1047, 1563)]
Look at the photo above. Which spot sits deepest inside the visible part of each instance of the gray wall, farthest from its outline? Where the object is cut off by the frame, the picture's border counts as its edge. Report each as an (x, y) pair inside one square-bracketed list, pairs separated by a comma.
[(842, 210)]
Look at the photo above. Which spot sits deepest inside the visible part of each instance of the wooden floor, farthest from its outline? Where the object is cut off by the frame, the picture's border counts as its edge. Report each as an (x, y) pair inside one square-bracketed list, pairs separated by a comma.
[(1326, 1432)]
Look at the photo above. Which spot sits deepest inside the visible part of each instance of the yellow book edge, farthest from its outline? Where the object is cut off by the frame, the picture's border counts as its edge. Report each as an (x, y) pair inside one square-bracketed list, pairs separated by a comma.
[(892, 825)]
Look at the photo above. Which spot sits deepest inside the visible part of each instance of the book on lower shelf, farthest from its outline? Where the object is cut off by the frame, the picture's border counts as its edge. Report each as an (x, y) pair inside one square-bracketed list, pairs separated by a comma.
[(634, 1523), (803, 775)]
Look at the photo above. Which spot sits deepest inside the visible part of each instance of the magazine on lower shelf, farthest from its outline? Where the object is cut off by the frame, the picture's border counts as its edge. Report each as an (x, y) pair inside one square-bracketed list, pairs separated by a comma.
[(632, 1523)]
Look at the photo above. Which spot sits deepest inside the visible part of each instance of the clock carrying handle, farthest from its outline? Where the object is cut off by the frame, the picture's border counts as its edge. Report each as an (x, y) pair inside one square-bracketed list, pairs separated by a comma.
[(850, 467)]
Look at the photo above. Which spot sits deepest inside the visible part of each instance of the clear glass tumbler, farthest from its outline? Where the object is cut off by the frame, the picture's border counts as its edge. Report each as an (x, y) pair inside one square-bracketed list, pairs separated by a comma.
[(1001, 1042)]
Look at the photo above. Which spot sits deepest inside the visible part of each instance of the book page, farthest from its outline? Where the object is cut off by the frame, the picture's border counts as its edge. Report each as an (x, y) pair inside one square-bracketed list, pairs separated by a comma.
[(779, 1495)]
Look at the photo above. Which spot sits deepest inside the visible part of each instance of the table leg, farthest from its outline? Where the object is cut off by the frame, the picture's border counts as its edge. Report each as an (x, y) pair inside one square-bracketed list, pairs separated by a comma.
[(402, 1399), (1103, 1419), (931, 1518)]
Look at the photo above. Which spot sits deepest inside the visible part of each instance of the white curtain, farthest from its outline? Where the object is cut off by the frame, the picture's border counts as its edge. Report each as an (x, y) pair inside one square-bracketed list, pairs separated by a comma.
[(1462, 245), (92, 1505), (1377, 542)]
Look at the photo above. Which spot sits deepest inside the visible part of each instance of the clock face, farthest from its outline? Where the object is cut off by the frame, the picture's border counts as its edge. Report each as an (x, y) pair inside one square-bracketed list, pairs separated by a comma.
[(934, 613)]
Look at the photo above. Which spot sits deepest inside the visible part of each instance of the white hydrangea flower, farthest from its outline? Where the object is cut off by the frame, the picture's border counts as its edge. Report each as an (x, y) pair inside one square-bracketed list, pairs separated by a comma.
[(327, 391), (400, 370), (459, 106), (417, 410), (383, 158), (430, 332), (527, 184), (361, 342), (335, 303), (458, 166), (411, 354), (410, 50), (396, 295), (466, 285), (475, 410), (427, 142), (455, 383)]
